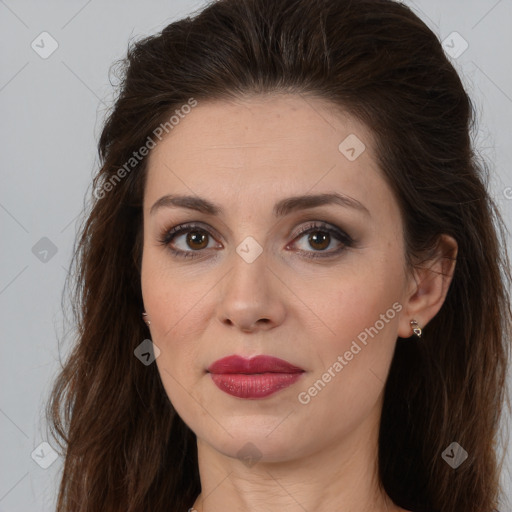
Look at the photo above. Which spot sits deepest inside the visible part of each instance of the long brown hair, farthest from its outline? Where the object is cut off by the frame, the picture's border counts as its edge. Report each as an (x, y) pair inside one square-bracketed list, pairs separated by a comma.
[(126, 448)]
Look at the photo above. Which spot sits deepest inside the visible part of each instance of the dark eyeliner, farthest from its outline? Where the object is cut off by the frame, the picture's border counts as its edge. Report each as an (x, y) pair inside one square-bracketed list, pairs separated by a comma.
[(168, 235), (322, 226)]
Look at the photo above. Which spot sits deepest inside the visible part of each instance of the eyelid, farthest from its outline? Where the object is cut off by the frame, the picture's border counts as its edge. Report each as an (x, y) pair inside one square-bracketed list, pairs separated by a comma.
[(168, 233), (322, 225), (345, 239)]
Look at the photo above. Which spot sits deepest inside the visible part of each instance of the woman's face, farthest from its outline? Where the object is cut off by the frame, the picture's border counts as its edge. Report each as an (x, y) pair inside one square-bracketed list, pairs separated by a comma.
[(247, 282)]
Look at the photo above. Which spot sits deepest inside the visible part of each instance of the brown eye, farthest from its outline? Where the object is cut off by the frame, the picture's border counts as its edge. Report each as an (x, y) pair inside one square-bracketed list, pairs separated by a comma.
[(323, 240), (197, 240), (187, 240), (319, 240)]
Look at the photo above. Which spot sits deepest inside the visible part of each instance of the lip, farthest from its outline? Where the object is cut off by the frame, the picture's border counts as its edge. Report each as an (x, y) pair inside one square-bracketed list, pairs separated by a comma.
[(254, 378), (257, 364)]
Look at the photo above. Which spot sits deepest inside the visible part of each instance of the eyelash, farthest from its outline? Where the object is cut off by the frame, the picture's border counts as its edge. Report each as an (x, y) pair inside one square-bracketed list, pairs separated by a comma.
[(168, 236)]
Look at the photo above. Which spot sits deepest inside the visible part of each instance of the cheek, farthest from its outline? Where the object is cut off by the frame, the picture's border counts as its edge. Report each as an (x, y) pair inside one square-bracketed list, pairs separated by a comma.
[(178, 319), (169, 291), (352, 362), (179, 306), (358, 297), (361, 313)]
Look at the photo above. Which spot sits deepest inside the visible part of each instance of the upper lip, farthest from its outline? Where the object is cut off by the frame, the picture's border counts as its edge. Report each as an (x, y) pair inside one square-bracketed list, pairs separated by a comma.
[(257, 364)]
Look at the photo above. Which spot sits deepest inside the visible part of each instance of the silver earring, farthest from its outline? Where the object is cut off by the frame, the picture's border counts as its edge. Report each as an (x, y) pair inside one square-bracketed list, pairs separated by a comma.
[(144, 315), (416, 329)]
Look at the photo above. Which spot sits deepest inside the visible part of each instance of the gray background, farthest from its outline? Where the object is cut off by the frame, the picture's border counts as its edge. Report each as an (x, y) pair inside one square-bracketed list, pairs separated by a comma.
[(52, 112)]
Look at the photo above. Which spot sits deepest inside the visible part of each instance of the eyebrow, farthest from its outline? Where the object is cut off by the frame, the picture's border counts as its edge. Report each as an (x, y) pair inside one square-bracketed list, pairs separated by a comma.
[(281, 208)]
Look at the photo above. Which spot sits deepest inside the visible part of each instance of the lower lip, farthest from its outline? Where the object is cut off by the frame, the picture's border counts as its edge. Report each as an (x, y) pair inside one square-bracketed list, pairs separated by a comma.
[(258, 385)]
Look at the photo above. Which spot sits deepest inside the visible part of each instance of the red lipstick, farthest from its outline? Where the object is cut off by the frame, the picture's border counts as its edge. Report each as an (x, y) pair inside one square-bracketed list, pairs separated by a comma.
[(253, 378)]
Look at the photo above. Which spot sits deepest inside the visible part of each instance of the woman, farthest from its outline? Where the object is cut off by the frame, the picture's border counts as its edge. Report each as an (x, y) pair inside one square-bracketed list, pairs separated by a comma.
[(289, 196)]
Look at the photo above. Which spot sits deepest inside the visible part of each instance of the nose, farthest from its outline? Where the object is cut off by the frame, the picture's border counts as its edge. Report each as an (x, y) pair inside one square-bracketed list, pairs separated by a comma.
[(252, 297)]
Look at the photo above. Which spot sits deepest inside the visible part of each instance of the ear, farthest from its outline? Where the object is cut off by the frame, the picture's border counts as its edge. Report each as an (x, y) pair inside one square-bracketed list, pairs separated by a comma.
[(428, 286)]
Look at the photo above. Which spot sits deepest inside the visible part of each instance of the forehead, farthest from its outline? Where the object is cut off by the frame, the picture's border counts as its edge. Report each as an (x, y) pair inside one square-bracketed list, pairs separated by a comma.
[(265, 146)]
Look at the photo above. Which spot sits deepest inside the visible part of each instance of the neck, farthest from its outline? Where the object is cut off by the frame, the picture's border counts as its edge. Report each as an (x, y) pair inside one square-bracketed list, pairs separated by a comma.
[(342, 477)]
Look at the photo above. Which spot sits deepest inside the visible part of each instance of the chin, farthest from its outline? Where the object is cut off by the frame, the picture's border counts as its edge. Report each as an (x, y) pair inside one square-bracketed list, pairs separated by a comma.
[(253, 442)]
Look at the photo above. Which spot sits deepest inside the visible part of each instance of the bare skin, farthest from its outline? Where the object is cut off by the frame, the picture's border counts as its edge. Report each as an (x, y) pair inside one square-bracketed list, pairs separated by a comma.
[(308, 451)]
